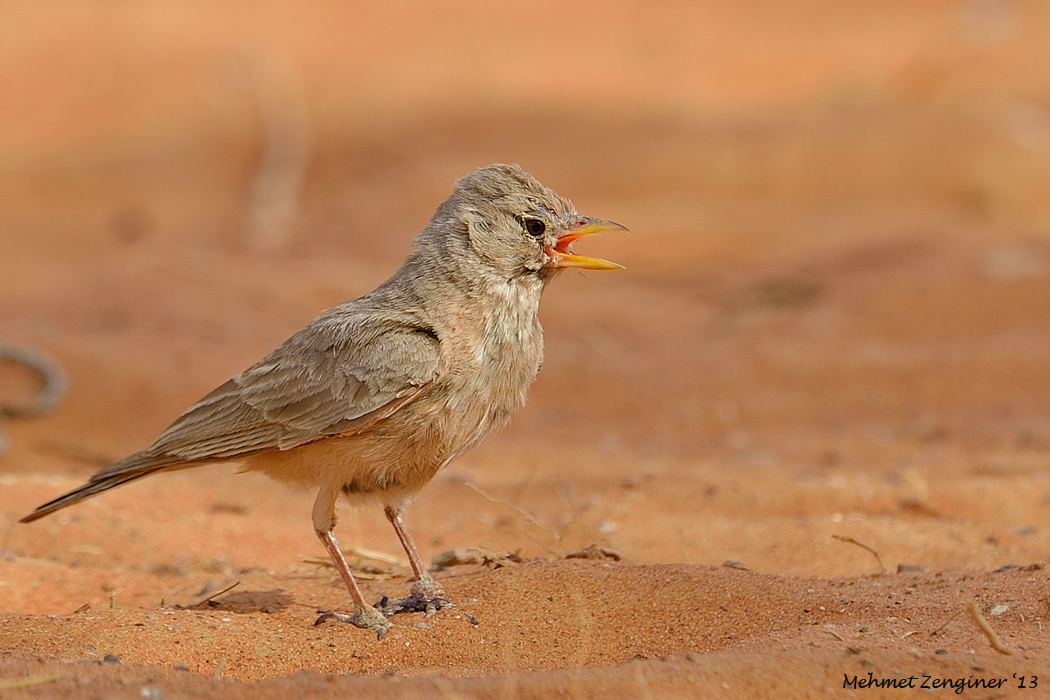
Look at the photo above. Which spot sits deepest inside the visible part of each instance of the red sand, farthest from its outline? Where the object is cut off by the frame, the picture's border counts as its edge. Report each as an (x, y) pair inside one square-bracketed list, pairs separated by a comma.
[(832, 330)]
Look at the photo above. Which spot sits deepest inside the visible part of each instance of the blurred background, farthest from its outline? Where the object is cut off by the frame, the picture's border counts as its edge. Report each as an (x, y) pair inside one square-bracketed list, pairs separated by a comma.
[(840, 247)]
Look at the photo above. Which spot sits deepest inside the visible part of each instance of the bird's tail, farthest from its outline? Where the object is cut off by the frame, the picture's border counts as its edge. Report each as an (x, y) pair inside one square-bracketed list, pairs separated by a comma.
[(128, 469)]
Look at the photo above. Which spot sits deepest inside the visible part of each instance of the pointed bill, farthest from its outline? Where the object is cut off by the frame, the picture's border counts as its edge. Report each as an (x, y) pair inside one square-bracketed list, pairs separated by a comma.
[(561, 256)]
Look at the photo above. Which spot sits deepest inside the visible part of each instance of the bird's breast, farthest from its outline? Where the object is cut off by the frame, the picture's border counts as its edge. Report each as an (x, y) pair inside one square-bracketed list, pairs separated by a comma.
[(491, 358)]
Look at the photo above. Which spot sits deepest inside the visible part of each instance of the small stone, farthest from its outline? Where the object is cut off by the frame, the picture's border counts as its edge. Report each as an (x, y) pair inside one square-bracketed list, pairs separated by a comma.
[(111, 659)]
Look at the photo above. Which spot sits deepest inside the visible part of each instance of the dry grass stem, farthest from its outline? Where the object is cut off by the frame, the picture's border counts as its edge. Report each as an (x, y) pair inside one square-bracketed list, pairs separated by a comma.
[(850, 540), (521, 511), (993, 638), (947, 622), (827, 631), (543, 545), (361, 569), (373, 555), (26, 681), (202, 600)]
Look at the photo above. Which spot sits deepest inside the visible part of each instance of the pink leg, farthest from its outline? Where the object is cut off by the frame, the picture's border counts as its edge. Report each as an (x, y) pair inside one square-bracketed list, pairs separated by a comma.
[(365, 616), (425, 590)]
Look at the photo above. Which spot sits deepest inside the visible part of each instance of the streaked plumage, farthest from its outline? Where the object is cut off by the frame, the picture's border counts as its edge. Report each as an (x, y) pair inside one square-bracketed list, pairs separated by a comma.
[(374, 396)]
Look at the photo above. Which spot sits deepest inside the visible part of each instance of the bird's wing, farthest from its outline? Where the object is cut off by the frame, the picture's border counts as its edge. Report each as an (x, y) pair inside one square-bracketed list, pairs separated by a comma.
[(334, 377), (338, 375)]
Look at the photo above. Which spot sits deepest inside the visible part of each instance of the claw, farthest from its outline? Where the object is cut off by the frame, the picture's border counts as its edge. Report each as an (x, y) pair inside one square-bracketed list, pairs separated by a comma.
[(425, 596), (413, 603), (365, 618), (435, 604)]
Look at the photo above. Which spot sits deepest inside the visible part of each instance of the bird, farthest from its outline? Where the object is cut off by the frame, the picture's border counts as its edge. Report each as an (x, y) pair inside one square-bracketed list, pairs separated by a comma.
[(376, 395)]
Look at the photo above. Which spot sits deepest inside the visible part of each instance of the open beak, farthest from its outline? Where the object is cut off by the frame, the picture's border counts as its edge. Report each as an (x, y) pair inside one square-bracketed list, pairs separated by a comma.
[(560, 256)]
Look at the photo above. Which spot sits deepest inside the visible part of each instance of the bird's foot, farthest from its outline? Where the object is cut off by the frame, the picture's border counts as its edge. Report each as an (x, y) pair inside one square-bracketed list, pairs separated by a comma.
[(425, 596), (412, 603), (367, 618)]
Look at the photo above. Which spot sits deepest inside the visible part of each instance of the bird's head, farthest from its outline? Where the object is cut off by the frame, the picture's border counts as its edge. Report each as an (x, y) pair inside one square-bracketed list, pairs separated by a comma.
[(519, 227)]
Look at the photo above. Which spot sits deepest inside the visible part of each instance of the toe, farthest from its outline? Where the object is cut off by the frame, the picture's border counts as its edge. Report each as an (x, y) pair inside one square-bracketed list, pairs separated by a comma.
[(366, 618)]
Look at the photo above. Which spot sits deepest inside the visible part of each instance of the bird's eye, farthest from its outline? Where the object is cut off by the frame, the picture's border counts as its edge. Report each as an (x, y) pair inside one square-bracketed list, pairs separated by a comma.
[(535, 227)]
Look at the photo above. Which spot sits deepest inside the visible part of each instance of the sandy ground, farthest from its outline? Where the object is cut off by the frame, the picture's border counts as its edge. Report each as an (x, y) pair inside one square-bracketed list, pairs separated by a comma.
[(811, 417)]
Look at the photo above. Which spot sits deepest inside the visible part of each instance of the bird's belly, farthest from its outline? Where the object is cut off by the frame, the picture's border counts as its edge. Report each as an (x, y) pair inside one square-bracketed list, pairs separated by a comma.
[(402, 453), (385, 459)]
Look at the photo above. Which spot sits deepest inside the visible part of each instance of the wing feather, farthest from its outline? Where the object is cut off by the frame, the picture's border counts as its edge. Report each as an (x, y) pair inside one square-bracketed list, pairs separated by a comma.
[(338, 373)]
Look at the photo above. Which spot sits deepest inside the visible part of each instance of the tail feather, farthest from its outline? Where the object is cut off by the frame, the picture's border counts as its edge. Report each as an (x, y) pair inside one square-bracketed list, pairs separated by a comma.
[(128, 469)]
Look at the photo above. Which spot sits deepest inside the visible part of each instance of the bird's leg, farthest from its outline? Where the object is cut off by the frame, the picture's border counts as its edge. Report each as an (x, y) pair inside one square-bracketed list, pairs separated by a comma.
[(365, 616), (426, 594), (424, 581)]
